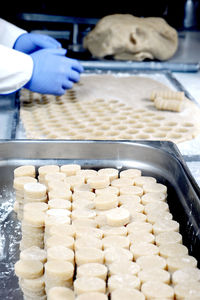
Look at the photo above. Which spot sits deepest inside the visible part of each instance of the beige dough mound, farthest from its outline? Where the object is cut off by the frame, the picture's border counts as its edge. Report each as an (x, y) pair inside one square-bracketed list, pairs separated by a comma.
[(131, 38)]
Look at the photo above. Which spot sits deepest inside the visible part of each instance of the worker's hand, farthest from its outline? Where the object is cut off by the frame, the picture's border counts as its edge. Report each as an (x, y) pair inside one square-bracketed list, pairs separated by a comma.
[(31, 42), (53, 72)]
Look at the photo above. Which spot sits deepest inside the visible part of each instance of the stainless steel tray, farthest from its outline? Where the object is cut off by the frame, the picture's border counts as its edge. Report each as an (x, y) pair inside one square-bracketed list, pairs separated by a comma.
[(159, 159)]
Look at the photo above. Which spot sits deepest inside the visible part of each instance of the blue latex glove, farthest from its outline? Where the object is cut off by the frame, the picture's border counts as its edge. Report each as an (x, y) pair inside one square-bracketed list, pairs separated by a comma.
[(53, 72), (31, 42)]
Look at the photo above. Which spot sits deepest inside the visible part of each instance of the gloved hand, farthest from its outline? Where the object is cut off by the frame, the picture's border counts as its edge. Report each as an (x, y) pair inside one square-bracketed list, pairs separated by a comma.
[(53, 72), (31, 42)]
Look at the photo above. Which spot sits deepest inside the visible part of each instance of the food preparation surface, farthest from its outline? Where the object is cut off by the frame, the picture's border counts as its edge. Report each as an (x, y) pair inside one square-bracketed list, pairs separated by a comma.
[(155, 159), (108, 106)]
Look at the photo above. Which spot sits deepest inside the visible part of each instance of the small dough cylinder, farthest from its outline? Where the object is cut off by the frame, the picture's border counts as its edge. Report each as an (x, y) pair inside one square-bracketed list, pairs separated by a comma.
[(89, 255), (118, 217), (123, 281), (175, 263), (61, 293), (89, 284), (92, 270), (149, 262), (126, 293), (154, 275), (150, 290), (29, 269), (171, 250), (92, 296), (144, 248)]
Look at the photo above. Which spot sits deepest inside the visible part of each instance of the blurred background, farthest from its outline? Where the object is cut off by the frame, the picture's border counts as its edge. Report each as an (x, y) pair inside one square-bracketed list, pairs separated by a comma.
[(71, 21)]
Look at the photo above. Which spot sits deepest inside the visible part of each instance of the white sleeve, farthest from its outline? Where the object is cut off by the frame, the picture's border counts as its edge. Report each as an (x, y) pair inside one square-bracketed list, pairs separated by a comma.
[(9, 33), (15, 69)]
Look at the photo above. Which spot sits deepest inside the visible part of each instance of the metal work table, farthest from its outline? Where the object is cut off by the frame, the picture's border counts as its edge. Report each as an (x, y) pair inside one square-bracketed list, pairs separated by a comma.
[(188, 54)]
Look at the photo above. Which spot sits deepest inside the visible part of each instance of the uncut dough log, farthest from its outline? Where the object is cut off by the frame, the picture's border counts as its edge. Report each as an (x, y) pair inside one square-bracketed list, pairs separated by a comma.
[(165, 94), (61, 293), (166, 104), (127, 37)]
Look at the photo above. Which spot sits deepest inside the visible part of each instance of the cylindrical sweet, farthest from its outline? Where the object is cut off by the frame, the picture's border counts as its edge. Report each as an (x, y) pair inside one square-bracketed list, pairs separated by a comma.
[(175, 263), (89, 284), (89, 255), (118, 217), (60, 252), (92, 270), (150, 290), (123, 281), (28, 269), (124, 267), (27, 170), (149, 262), (60, 293), (127, 293)]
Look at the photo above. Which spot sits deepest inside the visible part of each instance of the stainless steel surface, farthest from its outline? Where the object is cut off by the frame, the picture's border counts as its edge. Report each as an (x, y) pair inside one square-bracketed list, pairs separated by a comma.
[(164, 77), (150, 65), (159, 159)]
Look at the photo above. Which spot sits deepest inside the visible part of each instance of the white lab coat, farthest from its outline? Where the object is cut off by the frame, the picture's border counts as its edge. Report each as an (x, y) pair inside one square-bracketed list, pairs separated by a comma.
[(15, 67)]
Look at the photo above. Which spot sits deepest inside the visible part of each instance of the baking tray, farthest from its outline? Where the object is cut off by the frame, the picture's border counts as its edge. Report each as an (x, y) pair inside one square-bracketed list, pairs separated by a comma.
[(159, 159)]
